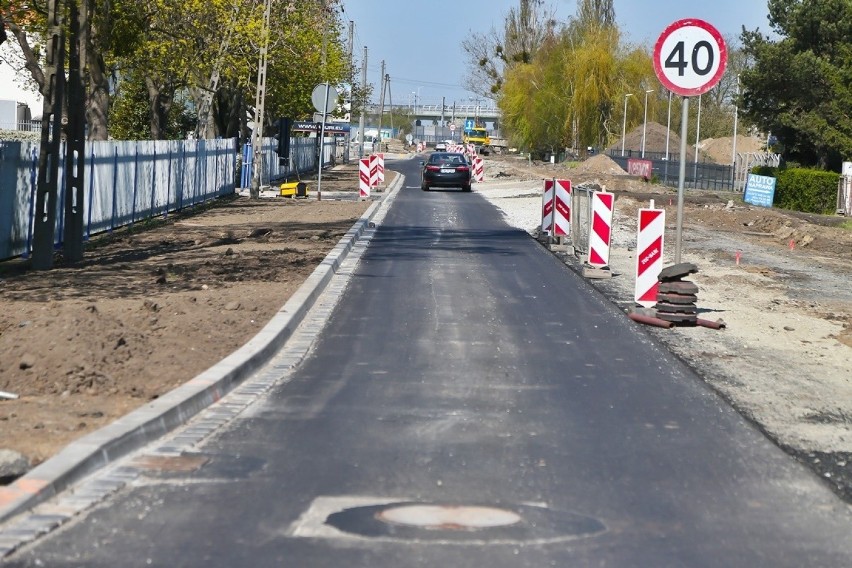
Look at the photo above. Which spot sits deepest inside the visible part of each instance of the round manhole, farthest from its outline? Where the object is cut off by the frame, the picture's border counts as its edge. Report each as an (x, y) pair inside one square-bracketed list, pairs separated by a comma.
[(448, 517), (463, 524)]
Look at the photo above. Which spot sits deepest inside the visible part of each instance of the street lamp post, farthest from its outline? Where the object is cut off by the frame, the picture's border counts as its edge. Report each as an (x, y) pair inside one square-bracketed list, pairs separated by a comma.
[(624, 123), (645, 120)]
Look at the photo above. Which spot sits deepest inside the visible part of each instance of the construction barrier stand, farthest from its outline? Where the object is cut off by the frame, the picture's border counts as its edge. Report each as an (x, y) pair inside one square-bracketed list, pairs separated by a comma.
[(364, 178), (600, 235), (649, 255)]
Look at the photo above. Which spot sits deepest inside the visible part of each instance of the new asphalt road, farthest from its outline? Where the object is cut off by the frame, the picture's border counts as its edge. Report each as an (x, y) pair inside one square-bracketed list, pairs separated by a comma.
[(470, 401)]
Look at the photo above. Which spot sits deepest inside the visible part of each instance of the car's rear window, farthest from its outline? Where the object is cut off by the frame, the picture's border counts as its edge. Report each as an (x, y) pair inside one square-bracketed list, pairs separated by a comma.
[(447, 159)]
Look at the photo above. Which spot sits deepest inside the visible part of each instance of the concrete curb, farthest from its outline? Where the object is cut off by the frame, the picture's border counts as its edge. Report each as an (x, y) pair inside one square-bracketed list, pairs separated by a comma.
[(150, 422)]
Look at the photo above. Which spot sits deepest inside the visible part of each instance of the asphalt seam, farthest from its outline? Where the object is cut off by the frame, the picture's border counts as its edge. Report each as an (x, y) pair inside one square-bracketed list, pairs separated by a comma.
[(176, 408)]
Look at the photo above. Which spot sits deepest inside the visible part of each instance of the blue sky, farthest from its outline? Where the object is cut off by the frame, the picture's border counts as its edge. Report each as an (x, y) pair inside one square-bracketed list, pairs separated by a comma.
[(420, 42)]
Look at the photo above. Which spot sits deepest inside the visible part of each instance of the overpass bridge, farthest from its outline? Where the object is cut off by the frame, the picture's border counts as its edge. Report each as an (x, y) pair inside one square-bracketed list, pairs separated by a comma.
[(451, 114)]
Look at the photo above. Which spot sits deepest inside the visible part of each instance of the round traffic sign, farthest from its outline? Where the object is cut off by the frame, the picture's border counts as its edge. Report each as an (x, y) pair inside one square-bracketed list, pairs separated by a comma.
[(324, 96), (690, 57), (452, 128)]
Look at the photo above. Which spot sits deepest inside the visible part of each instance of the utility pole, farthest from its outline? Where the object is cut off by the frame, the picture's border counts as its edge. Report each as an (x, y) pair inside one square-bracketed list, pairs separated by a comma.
[(75, 149), (363, 105), (260, 98), (51, 127), (382, 103)]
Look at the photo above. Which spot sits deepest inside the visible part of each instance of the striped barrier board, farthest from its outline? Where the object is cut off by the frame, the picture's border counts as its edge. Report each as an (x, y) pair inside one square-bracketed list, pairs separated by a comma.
[(374, 170), (556, 208), (600, 234), (547, 207), (380, 157), (364, 178), (649, 255), (478, 169)]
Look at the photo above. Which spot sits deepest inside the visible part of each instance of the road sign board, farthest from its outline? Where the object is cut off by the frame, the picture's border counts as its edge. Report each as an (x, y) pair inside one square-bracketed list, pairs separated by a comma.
[(690, 57), (452, 128), (320, 97)]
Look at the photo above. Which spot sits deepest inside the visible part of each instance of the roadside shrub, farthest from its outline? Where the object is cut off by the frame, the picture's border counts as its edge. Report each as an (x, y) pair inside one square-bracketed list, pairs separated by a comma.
[(811, 191)]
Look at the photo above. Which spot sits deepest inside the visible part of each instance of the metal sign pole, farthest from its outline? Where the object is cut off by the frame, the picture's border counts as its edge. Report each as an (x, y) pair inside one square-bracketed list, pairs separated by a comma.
[(684, 120), (321, 142)]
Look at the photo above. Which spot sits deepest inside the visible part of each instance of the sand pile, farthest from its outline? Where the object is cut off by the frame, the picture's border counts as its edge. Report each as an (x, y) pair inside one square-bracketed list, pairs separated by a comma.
[(599, 165), (719, 150)]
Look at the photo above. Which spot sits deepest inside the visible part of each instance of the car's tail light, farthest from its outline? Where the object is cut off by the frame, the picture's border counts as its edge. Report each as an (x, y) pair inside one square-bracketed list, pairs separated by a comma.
[(433, 168), (462, 168)]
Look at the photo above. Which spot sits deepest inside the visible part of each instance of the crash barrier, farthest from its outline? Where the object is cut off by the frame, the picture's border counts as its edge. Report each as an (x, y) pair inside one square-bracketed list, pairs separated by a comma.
[(364, 178), (844, 190), (556, 208), (649, 254), (125, 182)]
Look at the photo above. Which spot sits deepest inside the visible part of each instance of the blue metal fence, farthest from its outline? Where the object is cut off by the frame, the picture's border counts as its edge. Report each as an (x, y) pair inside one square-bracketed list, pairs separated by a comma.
[(130, 181)]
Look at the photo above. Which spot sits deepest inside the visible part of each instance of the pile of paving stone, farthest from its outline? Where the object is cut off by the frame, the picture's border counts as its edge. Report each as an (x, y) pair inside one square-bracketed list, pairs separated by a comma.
[(676, 297)]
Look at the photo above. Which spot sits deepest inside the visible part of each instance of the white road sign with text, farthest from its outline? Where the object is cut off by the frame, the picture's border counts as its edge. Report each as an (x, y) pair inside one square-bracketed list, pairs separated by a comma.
[(690, 57)]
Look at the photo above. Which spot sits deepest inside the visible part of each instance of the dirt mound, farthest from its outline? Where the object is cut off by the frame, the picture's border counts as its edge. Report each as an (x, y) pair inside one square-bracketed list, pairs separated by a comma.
[(719, 150), (655, 142), (599, 165)]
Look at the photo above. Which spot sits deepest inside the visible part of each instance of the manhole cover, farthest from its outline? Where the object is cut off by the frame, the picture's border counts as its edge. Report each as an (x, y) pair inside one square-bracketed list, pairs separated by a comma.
[(448, 517), (462, 524)]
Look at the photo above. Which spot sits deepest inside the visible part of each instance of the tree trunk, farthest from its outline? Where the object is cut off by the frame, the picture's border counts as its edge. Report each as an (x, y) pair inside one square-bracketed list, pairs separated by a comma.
[(95, 78), (160, 101)]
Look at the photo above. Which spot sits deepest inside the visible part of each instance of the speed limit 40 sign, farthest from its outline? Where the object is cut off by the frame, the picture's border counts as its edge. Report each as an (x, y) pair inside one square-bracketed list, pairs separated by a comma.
[(690, 57)]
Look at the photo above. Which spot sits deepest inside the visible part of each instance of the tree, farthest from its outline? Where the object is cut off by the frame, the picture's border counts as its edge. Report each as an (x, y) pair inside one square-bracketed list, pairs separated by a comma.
[(599, 13), (102, 27), (492, 55), (800, 86)]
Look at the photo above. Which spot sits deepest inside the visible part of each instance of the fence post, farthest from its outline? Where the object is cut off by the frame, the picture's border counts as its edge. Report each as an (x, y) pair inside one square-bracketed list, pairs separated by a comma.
[(91, 193), (115, 188), (135, 183), (154, 182), (168, 184), (31, 218)]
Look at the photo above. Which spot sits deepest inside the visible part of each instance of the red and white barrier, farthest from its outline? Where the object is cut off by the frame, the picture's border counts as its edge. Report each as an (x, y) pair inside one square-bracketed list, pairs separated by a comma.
[(471, 149), (556, 208), (364, 178), (649, 254), (380, 157), (547, 207), (600, 234), (478, 169), (374, 170)]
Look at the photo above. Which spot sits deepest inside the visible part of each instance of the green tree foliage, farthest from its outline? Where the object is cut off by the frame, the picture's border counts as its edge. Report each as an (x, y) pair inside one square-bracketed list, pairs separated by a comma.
[(173, 47), (130, 117), (493, 54), (570, 94), (800, 86)]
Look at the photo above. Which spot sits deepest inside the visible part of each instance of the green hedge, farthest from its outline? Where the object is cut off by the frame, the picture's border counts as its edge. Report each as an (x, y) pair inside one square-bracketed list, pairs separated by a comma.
[(799, 189)]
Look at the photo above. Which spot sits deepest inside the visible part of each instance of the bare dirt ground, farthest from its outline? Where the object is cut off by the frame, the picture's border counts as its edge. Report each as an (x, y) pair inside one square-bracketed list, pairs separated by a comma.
[(151, 307)]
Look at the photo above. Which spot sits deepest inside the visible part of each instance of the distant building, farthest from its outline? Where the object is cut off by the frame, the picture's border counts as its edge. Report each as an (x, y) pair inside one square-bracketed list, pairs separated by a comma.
[(17, 104)]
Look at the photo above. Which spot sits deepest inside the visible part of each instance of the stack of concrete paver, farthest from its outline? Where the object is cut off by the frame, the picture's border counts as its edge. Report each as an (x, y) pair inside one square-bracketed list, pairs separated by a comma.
[(676, 297)]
